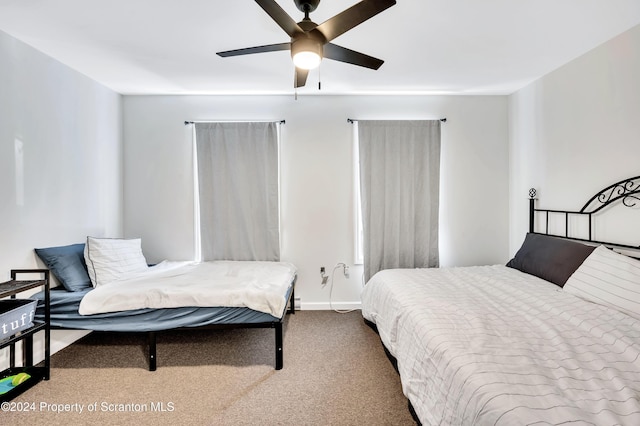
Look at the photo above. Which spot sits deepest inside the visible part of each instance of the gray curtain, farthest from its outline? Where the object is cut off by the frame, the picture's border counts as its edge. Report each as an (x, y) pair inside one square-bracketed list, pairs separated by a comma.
[(238, 190), (399, 185)]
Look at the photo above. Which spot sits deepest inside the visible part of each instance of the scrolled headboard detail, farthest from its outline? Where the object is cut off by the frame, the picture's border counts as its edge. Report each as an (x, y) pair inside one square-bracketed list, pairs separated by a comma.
[(626, 191)]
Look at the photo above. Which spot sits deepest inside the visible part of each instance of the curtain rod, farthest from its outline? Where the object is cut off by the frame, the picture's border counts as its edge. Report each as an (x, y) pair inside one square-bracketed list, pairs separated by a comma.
[(244, 121), (353, 120)]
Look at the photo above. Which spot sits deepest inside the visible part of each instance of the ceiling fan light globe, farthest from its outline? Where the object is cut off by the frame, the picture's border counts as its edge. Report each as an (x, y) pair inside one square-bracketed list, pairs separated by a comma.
[(306, 60)]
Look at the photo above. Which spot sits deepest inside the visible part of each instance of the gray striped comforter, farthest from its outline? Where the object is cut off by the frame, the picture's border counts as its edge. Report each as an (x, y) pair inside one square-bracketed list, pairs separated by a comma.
[(490, 345)]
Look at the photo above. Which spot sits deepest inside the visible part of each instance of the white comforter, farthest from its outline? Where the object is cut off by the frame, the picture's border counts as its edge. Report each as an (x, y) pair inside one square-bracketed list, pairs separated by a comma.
[(493, 346), (261, 286)]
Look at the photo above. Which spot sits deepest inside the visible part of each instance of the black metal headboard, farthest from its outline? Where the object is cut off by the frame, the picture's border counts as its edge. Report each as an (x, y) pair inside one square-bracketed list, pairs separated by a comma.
[(627, 191)]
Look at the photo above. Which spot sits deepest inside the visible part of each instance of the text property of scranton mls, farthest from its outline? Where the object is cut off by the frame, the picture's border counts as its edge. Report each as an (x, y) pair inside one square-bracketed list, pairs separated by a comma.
[(109, 407)]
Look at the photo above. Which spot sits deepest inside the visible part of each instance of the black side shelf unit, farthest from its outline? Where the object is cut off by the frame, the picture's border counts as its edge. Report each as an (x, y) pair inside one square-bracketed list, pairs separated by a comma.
[(40, 372)]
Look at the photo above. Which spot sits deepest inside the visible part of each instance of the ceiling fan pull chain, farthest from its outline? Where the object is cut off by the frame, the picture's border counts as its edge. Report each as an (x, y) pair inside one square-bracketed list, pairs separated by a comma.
[(319, 83)]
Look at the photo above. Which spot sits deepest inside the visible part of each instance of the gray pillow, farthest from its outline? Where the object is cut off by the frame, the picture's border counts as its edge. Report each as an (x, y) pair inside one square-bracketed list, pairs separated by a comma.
[(550, 258), (67, 264)]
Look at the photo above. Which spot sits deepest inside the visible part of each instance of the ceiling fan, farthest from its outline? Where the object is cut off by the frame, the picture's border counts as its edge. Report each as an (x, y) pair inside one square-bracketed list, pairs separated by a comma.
[(311, 42)]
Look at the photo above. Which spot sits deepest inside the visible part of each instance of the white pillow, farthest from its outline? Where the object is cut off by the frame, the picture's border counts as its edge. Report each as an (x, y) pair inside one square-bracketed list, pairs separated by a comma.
[(608, 278), (111, 259)]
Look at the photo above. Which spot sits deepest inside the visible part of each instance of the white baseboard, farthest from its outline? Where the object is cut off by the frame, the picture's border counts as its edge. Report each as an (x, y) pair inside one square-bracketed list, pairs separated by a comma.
[(324, 306)]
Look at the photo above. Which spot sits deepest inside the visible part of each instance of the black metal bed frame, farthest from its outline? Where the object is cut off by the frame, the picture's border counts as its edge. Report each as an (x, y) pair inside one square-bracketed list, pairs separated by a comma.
[(276, 325), (627, 191)]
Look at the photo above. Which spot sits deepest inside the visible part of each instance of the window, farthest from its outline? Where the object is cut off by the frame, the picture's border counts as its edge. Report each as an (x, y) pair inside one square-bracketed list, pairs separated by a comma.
[(234, 158), (358, 254), (399, 164)]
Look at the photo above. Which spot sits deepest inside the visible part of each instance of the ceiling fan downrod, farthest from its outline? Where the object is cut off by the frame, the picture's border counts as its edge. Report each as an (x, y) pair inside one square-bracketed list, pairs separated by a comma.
[(306, 6)]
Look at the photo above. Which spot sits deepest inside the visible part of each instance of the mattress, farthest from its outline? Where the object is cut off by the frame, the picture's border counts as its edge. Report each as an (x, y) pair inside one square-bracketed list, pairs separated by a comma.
[(491, 345), (64, 314), (258, 285)]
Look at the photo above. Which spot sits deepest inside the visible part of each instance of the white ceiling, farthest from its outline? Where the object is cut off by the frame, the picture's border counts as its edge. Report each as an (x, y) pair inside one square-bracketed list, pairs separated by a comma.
[(429, 46)]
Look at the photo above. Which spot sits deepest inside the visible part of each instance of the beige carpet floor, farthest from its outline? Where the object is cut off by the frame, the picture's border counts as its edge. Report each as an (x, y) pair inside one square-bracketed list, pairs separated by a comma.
[(335, 373)]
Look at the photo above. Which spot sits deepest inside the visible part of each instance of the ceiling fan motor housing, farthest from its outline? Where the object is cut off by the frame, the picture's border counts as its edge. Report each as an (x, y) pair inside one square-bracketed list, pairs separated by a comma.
[(306, 6)]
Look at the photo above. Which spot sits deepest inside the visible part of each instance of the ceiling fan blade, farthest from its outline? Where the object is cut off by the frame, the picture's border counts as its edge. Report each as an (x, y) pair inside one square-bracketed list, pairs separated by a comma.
[(281, 17), (349, 18), (257, 49), (300, 77), (342, 54)]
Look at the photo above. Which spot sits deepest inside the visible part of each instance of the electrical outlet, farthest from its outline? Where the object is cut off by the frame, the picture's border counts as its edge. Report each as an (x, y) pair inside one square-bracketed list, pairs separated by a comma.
[(324, 277), (346, 271)]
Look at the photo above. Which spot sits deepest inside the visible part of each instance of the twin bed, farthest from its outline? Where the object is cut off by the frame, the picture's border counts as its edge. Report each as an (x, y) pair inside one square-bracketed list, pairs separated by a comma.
[(133, 297), (553, 337)]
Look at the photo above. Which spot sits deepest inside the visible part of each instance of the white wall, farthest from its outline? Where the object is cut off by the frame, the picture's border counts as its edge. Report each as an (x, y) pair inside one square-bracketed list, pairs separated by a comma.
[(65, 182), (576, 131), (317, 190)]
